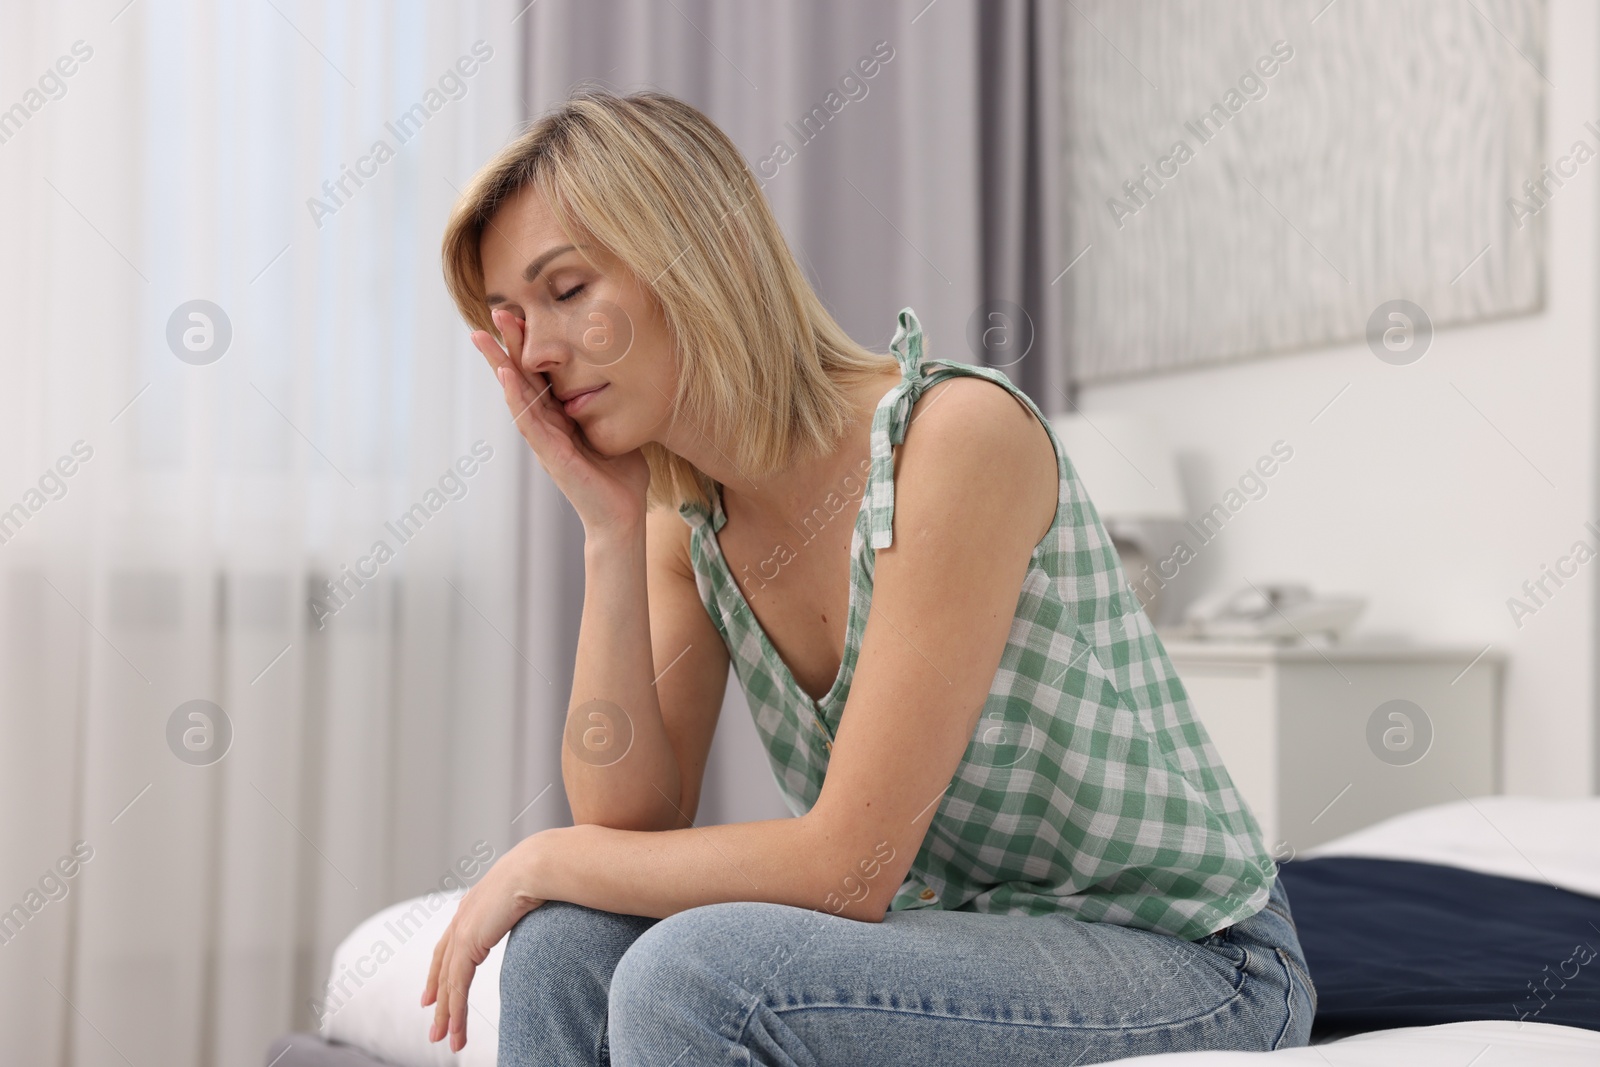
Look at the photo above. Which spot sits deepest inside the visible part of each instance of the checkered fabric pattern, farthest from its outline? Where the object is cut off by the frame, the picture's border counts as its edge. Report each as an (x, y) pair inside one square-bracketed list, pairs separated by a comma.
[(1088, 786)]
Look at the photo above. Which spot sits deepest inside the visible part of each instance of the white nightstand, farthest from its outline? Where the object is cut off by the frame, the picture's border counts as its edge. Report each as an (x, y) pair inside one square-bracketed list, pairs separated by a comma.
[(1314, 744)]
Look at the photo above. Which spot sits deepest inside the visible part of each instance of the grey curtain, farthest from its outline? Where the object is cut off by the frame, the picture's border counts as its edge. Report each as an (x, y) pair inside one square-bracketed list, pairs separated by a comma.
[(1021, 210), (929, 187)]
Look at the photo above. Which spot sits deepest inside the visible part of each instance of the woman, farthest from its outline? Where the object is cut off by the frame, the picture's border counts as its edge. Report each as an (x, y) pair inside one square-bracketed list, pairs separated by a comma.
[(1012, 838)]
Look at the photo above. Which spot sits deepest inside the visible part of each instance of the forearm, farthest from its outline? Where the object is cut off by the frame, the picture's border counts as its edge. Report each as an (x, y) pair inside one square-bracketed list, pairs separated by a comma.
[(614, 700), (656, 874)]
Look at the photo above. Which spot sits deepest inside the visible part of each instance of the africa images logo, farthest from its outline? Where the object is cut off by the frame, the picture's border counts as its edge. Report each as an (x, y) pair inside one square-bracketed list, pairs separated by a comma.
[(452, 86)]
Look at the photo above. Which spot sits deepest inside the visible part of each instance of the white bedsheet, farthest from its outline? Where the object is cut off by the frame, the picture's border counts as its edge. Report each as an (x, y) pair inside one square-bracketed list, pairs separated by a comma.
[(1532, 838), (1489, 1043), (378, 971)]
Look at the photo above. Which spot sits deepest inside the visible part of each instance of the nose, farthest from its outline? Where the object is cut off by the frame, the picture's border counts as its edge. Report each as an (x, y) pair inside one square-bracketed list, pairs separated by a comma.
[(544, 347)]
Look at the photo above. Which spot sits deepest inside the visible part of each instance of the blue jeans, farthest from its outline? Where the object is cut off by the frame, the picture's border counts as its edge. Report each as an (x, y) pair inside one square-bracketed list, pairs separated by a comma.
[(751, 982)]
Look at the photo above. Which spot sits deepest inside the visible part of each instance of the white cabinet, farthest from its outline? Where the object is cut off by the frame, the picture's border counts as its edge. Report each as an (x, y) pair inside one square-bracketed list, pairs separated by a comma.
[(1321, 742)]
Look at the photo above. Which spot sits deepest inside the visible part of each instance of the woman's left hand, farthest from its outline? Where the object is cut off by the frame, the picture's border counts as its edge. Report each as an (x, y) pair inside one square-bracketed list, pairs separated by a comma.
[(485, 914)]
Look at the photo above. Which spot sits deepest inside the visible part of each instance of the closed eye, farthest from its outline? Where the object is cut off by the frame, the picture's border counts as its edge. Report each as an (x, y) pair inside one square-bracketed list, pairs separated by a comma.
[(570, 293)]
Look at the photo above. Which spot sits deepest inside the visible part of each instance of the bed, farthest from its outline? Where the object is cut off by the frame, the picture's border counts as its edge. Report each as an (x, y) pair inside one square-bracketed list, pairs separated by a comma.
[(1463, 933)]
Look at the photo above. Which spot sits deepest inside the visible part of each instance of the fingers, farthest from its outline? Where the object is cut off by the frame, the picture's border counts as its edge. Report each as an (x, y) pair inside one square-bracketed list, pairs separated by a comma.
[(496, 356), (554, 437), (430, 989), (461, 972), (488, 345), (533, 427), (441, 1008), (520, 397), (505, 322), (522, 394), (511, 328), (450, 1010), (438, 972)]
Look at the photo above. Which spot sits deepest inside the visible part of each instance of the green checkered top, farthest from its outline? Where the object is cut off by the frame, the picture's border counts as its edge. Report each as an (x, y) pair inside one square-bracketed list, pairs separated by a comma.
[(1088, 787)]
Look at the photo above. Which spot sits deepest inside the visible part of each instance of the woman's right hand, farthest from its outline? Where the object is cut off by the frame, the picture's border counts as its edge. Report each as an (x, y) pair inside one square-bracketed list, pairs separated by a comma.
[(608, 492)]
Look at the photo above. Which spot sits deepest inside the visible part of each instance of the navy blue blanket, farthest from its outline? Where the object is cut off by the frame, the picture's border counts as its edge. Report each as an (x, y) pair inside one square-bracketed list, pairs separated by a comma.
[(1395, 943)]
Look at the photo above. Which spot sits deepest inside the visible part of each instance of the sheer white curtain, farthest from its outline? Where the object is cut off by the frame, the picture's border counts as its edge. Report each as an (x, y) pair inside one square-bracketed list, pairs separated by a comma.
[(179, 479)]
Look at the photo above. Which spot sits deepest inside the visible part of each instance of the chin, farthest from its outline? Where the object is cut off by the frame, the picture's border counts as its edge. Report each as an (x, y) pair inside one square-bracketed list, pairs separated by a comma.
[(601, 442)]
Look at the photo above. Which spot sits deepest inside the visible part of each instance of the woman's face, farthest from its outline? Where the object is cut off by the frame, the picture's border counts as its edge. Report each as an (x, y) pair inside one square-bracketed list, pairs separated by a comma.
[(588, 324)]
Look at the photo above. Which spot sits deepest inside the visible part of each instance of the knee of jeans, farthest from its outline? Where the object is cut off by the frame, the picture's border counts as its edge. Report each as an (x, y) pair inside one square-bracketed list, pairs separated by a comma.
[(546, 943), (647, 969), (658, 959), (682, 955)]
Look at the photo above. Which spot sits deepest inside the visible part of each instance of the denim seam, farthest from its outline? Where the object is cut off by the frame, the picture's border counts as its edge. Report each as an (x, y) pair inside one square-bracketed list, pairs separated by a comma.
[(1288, 998), (1235, 995), (1305, 978), (740, 1048)]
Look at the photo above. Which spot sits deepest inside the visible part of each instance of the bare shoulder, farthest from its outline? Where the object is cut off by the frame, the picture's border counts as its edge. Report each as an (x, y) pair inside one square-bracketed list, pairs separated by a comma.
[(982, 446)]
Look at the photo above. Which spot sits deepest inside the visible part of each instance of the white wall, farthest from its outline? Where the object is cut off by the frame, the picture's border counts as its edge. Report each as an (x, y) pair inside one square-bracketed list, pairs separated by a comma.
[(1434, 489)]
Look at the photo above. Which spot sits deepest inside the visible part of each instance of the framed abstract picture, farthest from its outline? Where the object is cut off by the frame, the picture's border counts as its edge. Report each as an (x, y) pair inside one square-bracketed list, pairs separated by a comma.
[(1257, 177)]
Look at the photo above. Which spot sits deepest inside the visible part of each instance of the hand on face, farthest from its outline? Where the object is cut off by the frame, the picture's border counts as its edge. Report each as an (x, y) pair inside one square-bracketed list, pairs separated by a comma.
[(606, 491)]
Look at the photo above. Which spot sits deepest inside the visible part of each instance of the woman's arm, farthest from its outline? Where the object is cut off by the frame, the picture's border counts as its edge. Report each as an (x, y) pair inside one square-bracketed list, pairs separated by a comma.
[(613, 703), (944, 597), (782, 861), (647, 685), (634, 749), (976, 489)]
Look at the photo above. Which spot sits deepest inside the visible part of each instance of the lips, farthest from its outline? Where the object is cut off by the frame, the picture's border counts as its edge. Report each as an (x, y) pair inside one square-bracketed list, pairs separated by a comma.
[(574, 402)]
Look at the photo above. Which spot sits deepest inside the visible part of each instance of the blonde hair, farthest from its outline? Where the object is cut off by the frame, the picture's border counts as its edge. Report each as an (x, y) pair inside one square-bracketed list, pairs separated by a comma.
[(658, 185)]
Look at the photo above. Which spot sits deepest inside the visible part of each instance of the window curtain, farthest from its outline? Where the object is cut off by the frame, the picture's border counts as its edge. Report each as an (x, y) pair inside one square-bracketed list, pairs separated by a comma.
[(231, 724), (1025, 258), (228, 370)]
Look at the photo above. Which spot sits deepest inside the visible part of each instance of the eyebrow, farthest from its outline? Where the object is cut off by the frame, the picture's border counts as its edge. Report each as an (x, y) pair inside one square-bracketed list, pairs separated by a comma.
[(531, 272)]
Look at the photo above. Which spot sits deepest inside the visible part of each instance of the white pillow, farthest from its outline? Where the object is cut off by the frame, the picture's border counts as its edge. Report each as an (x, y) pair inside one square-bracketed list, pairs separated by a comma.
[(374, 993)]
